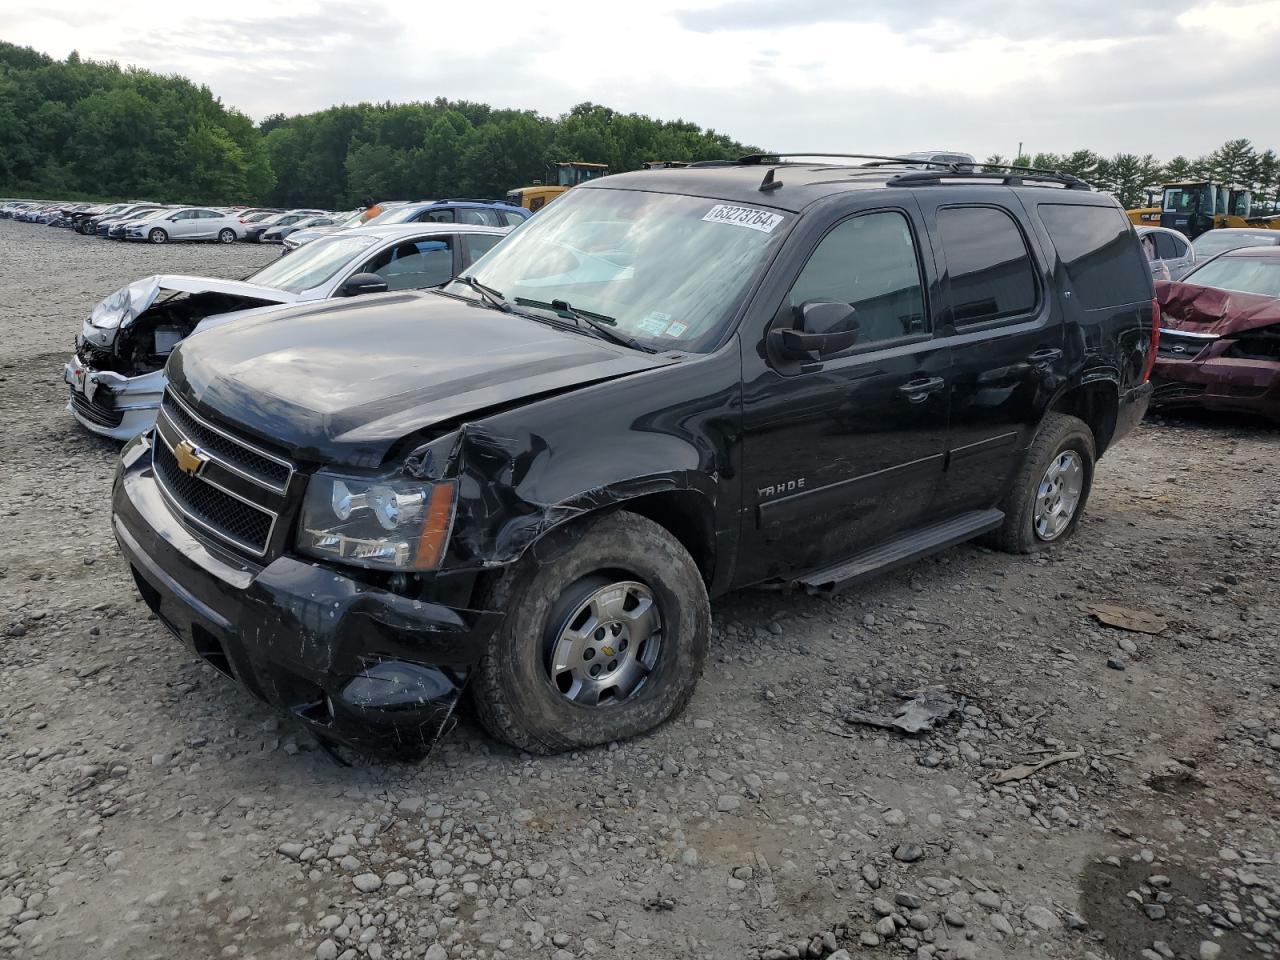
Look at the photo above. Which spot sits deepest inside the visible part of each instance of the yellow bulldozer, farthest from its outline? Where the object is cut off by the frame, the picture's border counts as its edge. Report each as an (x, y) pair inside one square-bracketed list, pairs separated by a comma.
[(1193, 207), (560, 177)]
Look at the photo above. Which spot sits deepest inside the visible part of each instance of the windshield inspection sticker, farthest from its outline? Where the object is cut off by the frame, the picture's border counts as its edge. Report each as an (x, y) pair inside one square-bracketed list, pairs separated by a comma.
[(748, 217), (654, 324)]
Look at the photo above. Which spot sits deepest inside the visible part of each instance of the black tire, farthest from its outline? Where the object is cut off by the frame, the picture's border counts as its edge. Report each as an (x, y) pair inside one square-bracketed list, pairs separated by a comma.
[(513, 691), (226, 235), (1058, 433), (158, 235)]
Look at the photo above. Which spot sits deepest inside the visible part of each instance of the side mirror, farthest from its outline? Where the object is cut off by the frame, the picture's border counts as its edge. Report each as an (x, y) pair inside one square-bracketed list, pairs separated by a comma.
[(363, 283), (822, 329)]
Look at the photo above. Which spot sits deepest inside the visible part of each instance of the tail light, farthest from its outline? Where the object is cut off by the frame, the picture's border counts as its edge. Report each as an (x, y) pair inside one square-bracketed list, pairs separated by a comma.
[(1155, 340)]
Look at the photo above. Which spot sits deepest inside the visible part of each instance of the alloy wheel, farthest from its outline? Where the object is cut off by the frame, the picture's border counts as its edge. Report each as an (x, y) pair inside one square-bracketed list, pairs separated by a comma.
[(1058, 495), (603, 650)]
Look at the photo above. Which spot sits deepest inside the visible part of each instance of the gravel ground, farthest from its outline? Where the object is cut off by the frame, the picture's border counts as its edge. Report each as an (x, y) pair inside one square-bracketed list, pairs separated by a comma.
[(150, 809)]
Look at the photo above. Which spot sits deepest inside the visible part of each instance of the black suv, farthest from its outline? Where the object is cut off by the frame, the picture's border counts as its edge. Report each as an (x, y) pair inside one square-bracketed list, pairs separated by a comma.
[(665, 386)]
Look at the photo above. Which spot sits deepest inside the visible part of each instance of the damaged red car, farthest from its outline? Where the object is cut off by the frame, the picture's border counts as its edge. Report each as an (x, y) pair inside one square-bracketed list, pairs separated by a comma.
[(1220, 335)]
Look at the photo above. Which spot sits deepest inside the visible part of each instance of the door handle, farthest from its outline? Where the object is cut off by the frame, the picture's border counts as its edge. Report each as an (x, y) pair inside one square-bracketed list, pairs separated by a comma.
[(918, 390), (1045, 355)]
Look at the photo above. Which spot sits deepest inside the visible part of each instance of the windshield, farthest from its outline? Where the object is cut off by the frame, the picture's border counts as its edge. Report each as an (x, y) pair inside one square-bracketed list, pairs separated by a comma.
[(671, 270), (1242, 274), (313, 264), (1188, 200), (400, 214), (1219, 241)]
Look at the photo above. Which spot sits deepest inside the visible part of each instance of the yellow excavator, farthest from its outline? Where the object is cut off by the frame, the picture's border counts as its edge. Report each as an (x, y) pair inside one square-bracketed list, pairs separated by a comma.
[(1193, 207), (560, 177)]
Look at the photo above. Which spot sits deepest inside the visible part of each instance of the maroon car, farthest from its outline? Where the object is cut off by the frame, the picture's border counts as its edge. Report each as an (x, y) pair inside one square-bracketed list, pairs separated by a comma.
[(1220, 335)]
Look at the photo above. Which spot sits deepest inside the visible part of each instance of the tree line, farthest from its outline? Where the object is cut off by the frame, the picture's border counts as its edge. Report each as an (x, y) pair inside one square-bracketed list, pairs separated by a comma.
[(1131, 177), (78, 128)]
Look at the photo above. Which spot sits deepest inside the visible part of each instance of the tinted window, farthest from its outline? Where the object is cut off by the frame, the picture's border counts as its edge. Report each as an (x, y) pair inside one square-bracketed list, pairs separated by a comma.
[(436, 216), (868, 262), (989, 268), (1097, 249), (414, 264), (1165, 247)]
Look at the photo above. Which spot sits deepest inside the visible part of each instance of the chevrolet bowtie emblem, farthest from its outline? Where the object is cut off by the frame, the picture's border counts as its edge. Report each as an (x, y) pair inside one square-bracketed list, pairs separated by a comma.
[(190, 458), (607, 651)]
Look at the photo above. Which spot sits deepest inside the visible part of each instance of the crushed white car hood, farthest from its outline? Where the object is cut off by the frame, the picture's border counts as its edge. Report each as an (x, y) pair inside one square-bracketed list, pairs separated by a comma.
[(121, 308)]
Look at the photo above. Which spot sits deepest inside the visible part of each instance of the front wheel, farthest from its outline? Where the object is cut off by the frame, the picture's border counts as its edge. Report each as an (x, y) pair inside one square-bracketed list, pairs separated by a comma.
[(158, 235), (603, 643), (1048, 496), (226, 235)]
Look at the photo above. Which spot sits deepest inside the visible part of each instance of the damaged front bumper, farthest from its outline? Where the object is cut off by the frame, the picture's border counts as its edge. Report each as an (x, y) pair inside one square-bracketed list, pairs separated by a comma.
[(358, 664), (1219, 383), (111, 404)]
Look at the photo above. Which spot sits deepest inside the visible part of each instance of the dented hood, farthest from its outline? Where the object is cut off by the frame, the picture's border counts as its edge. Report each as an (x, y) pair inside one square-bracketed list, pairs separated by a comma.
[(343, 382), (117, 311), (1188, 306)]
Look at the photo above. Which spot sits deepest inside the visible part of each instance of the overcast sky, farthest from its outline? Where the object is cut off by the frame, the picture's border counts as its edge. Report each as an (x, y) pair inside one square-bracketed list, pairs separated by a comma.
[(1160, 76)]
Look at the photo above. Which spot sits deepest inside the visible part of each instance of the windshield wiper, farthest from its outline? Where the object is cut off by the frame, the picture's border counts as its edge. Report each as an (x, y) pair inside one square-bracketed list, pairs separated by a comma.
[(495, 298), (598, 322)]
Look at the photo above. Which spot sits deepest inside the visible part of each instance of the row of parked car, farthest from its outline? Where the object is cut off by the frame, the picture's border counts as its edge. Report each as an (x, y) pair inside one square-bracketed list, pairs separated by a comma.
[(164, 223)]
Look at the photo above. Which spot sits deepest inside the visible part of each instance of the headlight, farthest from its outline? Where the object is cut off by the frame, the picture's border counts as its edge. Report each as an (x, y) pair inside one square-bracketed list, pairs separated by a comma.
[(389, 524)]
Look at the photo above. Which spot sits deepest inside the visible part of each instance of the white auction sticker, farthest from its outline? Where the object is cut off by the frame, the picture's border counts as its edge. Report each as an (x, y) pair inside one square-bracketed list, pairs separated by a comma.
[(750, 217)]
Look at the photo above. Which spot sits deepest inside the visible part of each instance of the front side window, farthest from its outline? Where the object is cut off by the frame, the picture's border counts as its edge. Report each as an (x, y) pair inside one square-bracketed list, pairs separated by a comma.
[(414, 264), (989, 271), (870, 263), (435, 216), (668, 270)]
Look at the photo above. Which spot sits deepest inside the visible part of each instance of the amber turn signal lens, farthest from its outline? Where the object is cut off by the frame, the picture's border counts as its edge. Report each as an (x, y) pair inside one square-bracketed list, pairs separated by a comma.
[(436, 526)]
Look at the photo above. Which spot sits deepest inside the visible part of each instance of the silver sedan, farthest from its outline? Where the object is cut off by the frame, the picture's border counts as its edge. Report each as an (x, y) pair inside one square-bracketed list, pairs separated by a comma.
[(187, 223)]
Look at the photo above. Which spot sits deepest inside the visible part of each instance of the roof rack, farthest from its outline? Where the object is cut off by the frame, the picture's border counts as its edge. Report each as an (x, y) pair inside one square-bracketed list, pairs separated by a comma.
[(468, 200), (1020, 176), (934, 170)]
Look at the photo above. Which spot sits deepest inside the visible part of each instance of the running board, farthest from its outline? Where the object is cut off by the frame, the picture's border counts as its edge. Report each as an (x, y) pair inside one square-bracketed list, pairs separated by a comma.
[(903, 550)]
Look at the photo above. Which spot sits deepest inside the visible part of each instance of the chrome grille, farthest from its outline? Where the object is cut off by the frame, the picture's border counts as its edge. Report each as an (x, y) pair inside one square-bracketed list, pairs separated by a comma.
[(252, 463), (237, 490), (1176, 345), (214, 510)]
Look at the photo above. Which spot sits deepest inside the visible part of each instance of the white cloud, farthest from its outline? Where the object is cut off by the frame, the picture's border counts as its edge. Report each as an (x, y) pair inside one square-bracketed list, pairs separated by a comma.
[(882, 76)]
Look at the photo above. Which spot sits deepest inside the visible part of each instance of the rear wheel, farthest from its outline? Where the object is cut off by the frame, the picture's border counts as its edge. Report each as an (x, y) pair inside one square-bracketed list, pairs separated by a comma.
[(602, 644), (226, 235), (1048, 496), (158, 235)]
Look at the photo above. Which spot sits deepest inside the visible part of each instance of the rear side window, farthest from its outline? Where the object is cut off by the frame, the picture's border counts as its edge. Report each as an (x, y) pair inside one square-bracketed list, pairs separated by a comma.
[(1097, 248), (1166, 247), (989, 269), (480, 218)]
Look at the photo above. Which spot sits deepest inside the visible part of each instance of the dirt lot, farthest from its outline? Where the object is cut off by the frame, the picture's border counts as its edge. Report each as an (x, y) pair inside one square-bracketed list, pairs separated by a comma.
[(150, 809)]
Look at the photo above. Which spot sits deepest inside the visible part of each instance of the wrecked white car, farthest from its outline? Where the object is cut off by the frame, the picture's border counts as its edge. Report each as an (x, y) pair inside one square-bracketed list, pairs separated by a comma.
[(116, 376)]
